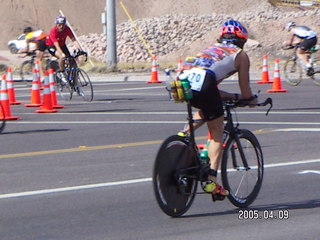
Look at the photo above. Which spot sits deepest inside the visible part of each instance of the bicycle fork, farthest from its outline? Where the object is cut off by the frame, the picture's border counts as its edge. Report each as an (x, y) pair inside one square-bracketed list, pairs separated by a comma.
[(237, 146)]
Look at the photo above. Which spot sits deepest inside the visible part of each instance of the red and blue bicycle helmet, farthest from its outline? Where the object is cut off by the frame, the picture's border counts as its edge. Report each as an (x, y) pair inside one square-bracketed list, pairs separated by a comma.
[(233, 32), (61, 20), (233, 29)]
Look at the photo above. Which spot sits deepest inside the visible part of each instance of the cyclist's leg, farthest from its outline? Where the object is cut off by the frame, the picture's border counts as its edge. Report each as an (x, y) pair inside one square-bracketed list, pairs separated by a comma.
[(215, 148), (198, 121), (211, 110), (53, 51), (303, 50)]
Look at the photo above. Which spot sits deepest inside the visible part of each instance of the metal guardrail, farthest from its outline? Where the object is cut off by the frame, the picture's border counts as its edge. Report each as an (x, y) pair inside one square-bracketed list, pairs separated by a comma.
[(296, 3)]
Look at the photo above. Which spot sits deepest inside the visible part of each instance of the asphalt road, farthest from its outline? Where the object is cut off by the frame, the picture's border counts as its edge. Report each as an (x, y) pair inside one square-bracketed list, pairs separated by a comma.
[(84, 173)]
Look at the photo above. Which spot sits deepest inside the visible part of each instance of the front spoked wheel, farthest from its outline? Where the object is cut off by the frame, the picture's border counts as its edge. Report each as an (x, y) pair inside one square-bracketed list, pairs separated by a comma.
[(84, 86), (242, 168), (316, 76), (292, 72), (174, 176), (64, 89)]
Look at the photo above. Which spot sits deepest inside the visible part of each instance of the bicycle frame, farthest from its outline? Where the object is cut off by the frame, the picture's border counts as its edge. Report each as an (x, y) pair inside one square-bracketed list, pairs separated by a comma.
[(230, 130), (77, 80), (198, 172), (71, 67), (295, 55)]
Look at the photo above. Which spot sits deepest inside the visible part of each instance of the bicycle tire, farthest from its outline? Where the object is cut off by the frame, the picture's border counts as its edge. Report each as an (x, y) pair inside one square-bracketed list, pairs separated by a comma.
[(292, 72), (26, 70), (64, 89), (316, 76), (2, 118), (174, 156), (84, 86), (243, 183)]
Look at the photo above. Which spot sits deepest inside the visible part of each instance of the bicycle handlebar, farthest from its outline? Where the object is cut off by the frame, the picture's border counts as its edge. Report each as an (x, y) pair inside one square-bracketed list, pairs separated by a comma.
[(288, 47), (30, 53), (77, 54), (80, 53), (243, 103)]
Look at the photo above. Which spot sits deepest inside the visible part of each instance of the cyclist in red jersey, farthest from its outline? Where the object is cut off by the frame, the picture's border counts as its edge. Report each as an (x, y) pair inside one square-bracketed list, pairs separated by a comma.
[(56, 42)]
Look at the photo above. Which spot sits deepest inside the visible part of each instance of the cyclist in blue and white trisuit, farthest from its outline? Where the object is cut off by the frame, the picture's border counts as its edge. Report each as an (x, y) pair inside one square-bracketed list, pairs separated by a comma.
[(205, 71), (307, 39)]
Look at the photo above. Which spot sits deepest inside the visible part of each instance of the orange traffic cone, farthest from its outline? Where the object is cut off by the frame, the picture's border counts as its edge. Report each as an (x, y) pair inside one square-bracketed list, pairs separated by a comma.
[(265, 72), (154, 73), (53, 89), (35, 92), (5, 100), (37, 67), (179, 69), (46, 106), (11, 92), (276, 86)]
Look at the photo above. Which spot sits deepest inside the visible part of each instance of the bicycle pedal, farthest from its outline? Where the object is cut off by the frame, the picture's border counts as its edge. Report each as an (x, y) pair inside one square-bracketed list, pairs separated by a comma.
[(217, 197)]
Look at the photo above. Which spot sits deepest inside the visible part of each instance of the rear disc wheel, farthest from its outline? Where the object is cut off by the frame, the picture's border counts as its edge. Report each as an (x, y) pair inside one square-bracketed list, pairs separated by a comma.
[(174, 180)]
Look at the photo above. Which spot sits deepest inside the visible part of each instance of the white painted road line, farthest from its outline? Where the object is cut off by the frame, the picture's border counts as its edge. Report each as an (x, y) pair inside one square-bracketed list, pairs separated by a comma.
[(162, 122), (172, 113), (309, 171), (134, 181)]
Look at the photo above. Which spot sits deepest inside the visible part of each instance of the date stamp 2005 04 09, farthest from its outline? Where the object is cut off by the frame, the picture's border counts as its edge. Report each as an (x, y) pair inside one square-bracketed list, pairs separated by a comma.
[(251, 214)]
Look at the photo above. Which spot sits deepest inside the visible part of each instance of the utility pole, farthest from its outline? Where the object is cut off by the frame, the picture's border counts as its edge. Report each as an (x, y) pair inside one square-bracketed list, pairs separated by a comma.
[(111, 35)]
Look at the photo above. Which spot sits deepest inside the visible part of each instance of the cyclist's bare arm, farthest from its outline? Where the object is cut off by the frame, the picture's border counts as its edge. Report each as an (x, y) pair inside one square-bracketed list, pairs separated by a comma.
[(242, 63), (225, 95), (76, 43)]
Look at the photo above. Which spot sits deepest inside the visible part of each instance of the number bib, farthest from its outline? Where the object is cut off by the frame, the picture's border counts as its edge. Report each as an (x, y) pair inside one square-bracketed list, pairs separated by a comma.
[(196, 78)]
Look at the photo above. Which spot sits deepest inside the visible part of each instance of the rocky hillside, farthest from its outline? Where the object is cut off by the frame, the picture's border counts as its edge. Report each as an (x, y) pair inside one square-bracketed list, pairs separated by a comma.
[(173, 36)]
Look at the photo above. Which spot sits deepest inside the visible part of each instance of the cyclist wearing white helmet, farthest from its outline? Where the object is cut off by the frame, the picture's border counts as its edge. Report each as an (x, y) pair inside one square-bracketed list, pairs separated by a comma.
[(306, 39), (210, 67), (56, 42)]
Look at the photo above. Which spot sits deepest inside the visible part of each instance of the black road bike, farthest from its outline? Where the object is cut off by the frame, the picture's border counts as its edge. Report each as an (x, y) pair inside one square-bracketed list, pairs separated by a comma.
[(77, 80), (178, 167)]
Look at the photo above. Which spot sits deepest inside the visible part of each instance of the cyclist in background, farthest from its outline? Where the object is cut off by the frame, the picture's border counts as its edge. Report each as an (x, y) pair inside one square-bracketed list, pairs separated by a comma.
[(209, 68), (306, 38), (56, 42), (39, 38)]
